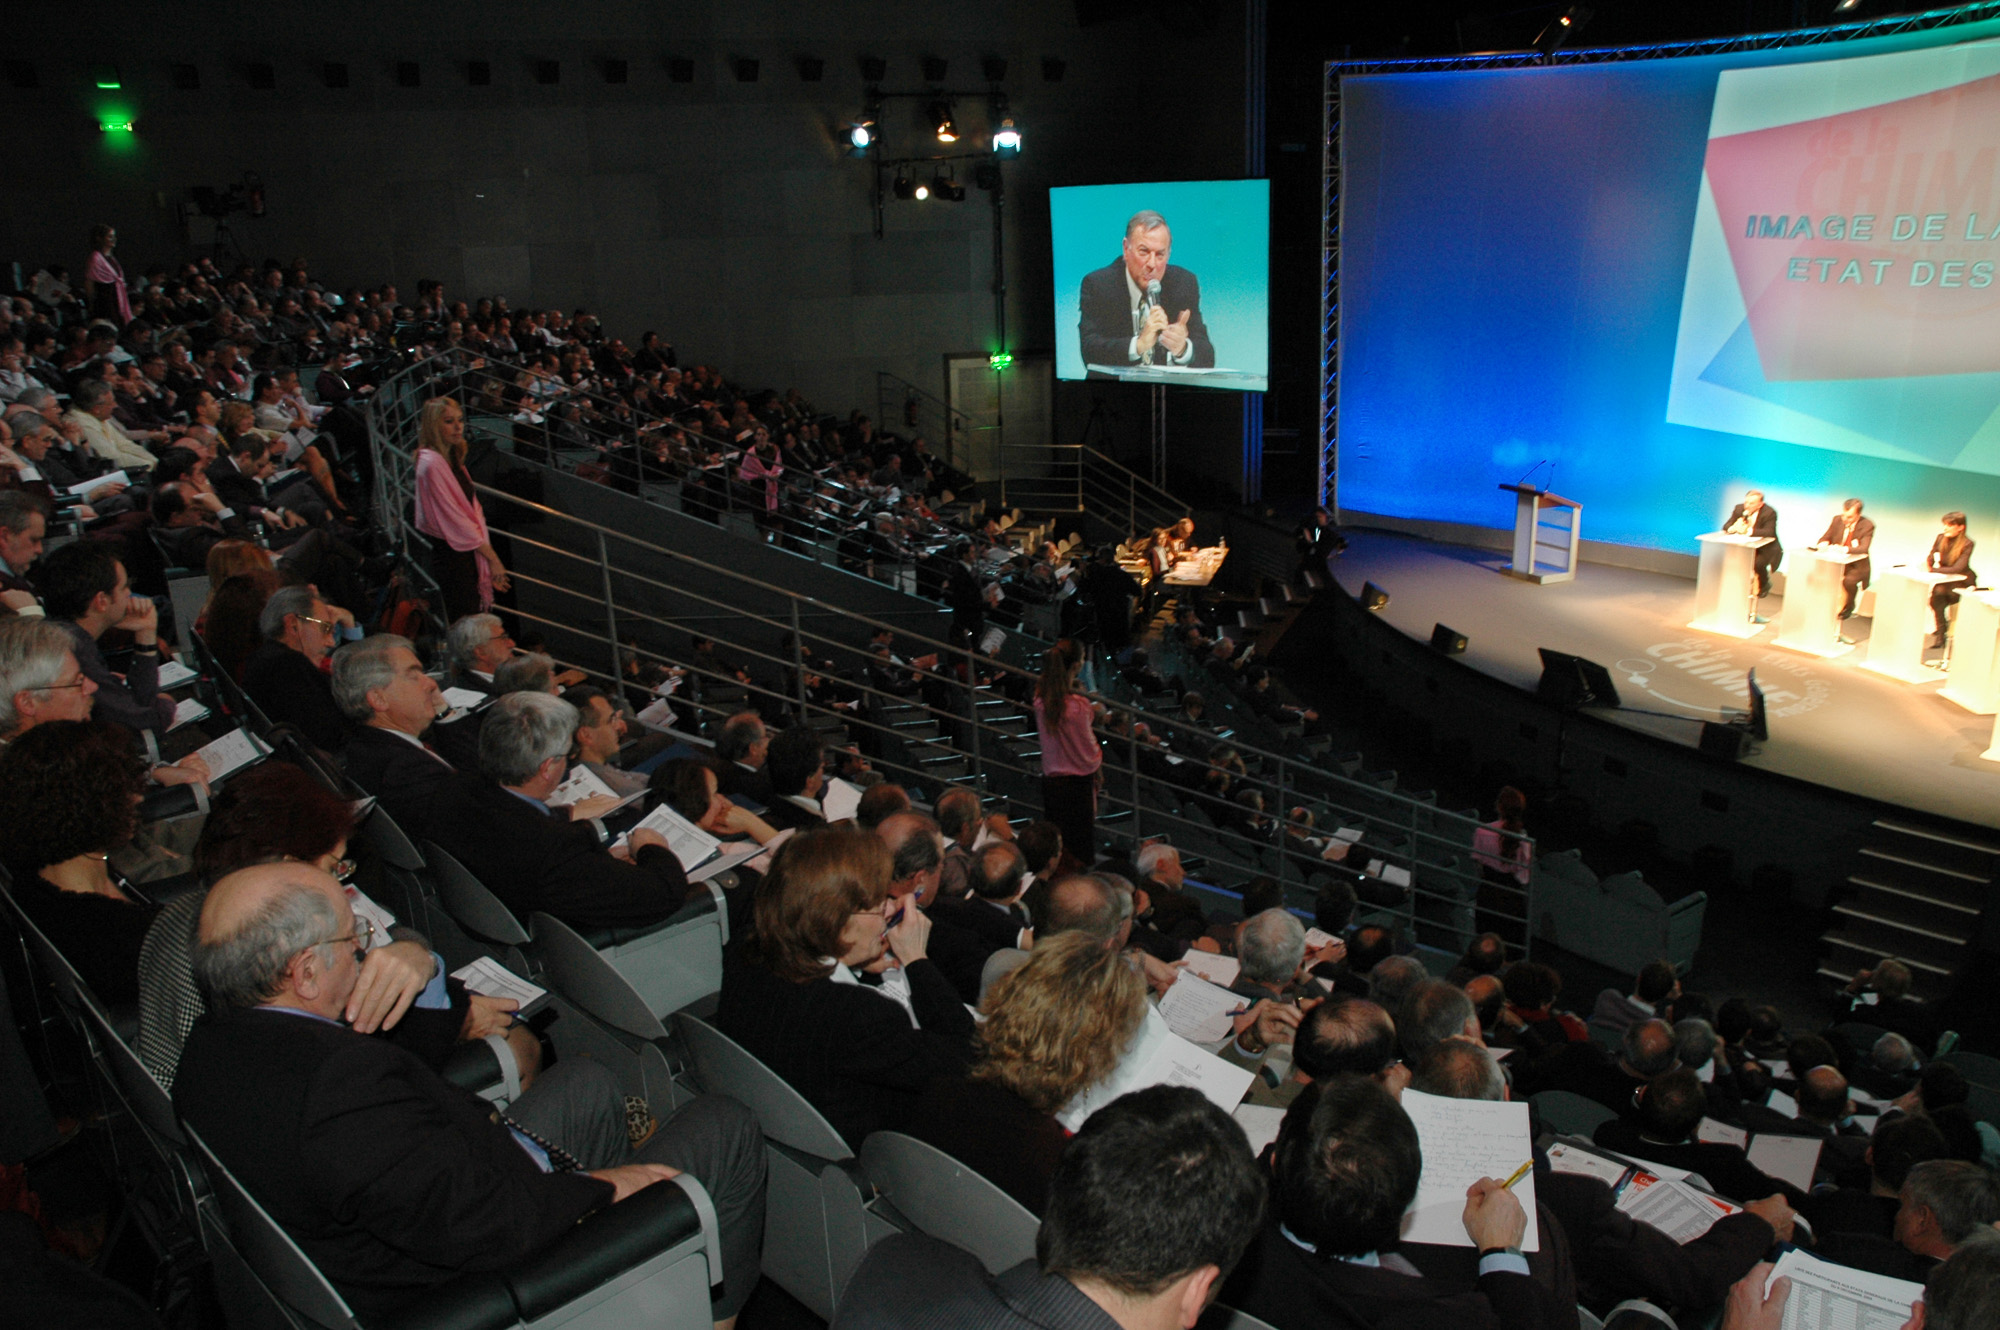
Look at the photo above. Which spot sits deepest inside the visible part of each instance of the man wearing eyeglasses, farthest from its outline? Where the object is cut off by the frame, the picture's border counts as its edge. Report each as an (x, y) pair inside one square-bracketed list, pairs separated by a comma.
[(286, 675), (391, 1179)]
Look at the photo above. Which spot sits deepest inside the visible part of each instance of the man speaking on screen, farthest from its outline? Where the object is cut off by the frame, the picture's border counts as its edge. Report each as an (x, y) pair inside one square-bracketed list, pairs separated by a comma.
[(1141, 310)]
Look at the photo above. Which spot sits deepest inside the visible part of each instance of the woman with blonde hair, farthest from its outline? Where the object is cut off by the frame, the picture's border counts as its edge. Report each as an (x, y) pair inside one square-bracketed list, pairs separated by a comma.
[(1054, 1028), (793, 996), (1071, 758), (449, 513)]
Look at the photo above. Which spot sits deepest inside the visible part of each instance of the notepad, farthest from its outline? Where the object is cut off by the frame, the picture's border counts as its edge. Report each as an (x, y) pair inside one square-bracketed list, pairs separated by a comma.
[(1199, 1011), (1215, 968), (173, 674), (1158, 1056), (1464, 1140), (187, 712), (464, 699), (231, 753), (1792, 1159)]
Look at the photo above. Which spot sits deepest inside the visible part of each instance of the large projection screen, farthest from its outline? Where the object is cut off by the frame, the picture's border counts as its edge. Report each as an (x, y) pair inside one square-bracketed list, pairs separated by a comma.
[(1215, 275), (1663, 281)]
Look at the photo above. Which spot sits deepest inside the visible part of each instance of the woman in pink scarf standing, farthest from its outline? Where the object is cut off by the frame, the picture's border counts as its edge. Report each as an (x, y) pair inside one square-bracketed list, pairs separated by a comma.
[(104, 291), (468, 571), (760, 463)]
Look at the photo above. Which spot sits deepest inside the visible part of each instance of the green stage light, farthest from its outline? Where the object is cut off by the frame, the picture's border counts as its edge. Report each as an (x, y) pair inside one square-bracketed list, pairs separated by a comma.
[(1000, 360)]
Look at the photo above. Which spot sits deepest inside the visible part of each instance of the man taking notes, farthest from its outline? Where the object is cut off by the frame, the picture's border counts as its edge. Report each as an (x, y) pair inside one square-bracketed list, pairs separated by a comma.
[(1142, 310)]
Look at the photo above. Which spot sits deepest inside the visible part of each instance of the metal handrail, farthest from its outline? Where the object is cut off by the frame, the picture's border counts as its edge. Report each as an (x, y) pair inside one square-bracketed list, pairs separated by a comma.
[(954, 420), (1421, 836)]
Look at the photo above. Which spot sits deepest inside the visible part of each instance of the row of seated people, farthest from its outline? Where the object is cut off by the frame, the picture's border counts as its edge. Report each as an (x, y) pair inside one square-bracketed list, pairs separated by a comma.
[(865, 1071)]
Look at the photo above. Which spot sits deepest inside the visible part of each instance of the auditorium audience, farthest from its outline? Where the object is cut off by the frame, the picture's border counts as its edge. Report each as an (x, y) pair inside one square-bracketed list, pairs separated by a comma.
[(793, 991), (1052, 1029), (85, 591)]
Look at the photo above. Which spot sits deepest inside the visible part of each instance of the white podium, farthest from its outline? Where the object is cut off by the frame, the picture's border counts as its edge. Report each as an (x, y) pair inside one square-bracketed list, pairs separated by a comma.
[(1532, 535), (1975, 654), (1903, 624), (1810, 621), (1724, 586)]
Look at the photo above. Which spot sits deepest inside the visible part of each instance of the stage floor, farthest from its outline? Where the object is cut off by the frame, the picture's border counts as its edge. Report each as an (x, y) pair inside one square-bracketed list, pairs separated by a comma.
[(1832, 722)]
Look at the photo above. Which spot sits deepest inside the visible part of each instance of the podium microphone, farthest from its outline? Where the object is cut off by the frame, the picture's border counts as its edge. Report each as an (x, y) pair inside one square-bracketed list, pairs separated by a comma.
[(1532, 470)]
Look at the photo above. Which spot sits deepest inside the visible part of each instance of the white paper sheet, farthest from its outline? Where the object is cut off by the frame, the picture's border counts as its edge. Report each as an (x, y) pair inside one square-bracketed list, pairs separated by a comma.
[(1676, 1209), (489, 978), (1826, 1295), (1721, 1133), (187, 712), (762, 863), (1201, 1012), (1780, 1102), (90, 487), (581, 783), (366, 908), (1791, 1159), (726, 860), (173, 674), (1463, 1141), (1215, 968), (1158, 1056), (690, 844), (230, 753), (839, 800), (1317, 938), (464, 699), (1567, 1158), (1260, 1124)]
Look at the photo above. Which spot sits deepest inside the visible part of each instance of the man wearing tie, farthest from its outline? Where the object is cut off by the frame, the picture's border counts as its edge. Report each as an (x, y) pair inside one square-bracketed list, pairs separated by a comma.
[(1754, 517), (1141, 310), (1853, 533)]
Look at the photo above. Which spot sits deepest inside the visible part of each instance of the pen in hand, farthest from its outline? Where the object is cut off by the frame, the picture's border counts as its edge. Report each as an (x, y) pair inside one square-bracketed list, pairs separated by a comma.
[(1517, 1175)]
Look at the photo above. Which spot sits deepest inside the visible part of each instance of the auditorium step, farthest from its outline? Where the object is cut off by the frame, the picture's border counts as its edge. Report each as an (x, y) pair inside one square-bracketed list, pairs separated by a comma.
[(1916, 894)]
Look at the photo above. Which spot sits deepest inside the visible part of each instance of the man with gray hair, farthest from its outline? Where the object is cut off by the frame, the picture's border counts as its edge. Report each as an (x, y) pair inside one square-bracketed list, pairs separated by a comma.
[(743, 745), (1140, 309), (478, 645), (1394, 976), (1168, 906), (497, 822), (91, 403), (391, 1179), (390, 704), (283, 675), (1432, 1012), (1943, 1202), (24, 525), (1270, 945), (40, 679)]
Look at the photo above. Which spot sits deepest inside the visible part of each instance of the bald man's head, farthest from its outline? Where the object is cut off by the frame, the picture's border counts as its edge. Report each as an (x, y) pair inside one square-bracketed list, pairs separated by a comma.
[(1823, 1095), (1649, 1048), (278, 934), (916, 853)]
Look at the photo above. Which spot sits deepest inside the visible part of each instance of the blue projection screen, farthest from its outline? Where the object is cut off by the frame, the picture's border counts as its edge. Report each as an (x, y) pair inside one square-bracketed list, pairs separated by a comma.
[(1658, 282), (1211, 258)]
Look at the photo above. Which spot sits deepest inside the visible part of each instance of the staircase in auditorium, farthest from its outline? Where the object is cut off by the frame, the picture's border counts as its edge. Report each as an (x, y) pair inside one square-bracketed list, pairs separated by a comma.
[(609, 579), (1917, 893)]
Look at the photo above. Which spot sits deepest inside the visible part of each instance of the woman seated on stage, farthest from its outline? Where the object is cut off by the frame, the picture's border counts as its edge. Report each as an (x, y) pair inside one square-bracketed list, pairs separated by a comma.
[(1951, 553)]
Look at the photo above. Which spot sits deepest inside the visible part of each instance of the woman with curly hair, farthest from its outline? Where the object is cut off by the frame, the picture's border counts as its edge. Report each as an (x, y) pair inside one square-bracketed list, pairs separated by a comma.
[(1054, 1028), (69, 798)]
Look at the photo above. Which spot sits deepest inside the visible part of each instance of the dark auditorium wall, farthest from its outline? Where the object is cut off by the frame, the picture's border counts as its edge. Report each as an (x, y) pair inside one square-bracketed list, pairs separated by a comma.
[(719, 212)]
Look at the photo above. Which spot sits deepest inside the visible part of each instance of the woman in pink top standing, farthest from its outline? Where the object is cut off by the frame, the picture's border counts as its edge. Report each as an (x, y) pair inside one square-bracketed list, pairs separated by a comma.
[(104, 280), (1070, 753), (448, 512)]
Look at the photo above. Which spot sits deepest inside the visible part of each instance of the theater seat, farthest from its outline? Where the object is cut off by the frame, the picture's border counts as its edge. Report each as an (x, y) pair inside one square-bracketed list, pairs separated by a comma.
[(939, 1196), (649, 1259)]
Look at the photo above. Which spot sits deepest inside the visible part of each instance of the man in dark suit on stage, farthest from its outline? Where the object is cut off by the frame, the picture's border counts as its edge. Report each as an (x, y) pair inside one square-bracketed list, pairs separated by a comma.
[(391, 1179), (1141, 310), (1853, 533), (1754, 517), (1149, 1209)]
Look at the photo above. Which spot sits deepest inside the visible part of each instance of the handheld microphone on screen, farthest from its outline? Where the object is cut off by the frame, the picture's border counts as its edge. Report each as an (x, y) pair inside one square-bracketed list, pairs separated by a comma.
[(1153, 294)]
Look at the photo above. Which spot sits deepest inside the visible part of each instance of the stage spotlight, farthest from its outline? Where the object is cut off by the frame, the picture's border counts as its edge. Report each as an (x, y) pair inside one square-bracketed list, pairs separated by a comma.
[(1566, 26), (105, 77), (1448, 640), (1373, 598), (944, 185), (906, 187), (1007, 138), (1847, 6), (860, 137), (947, 127)]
